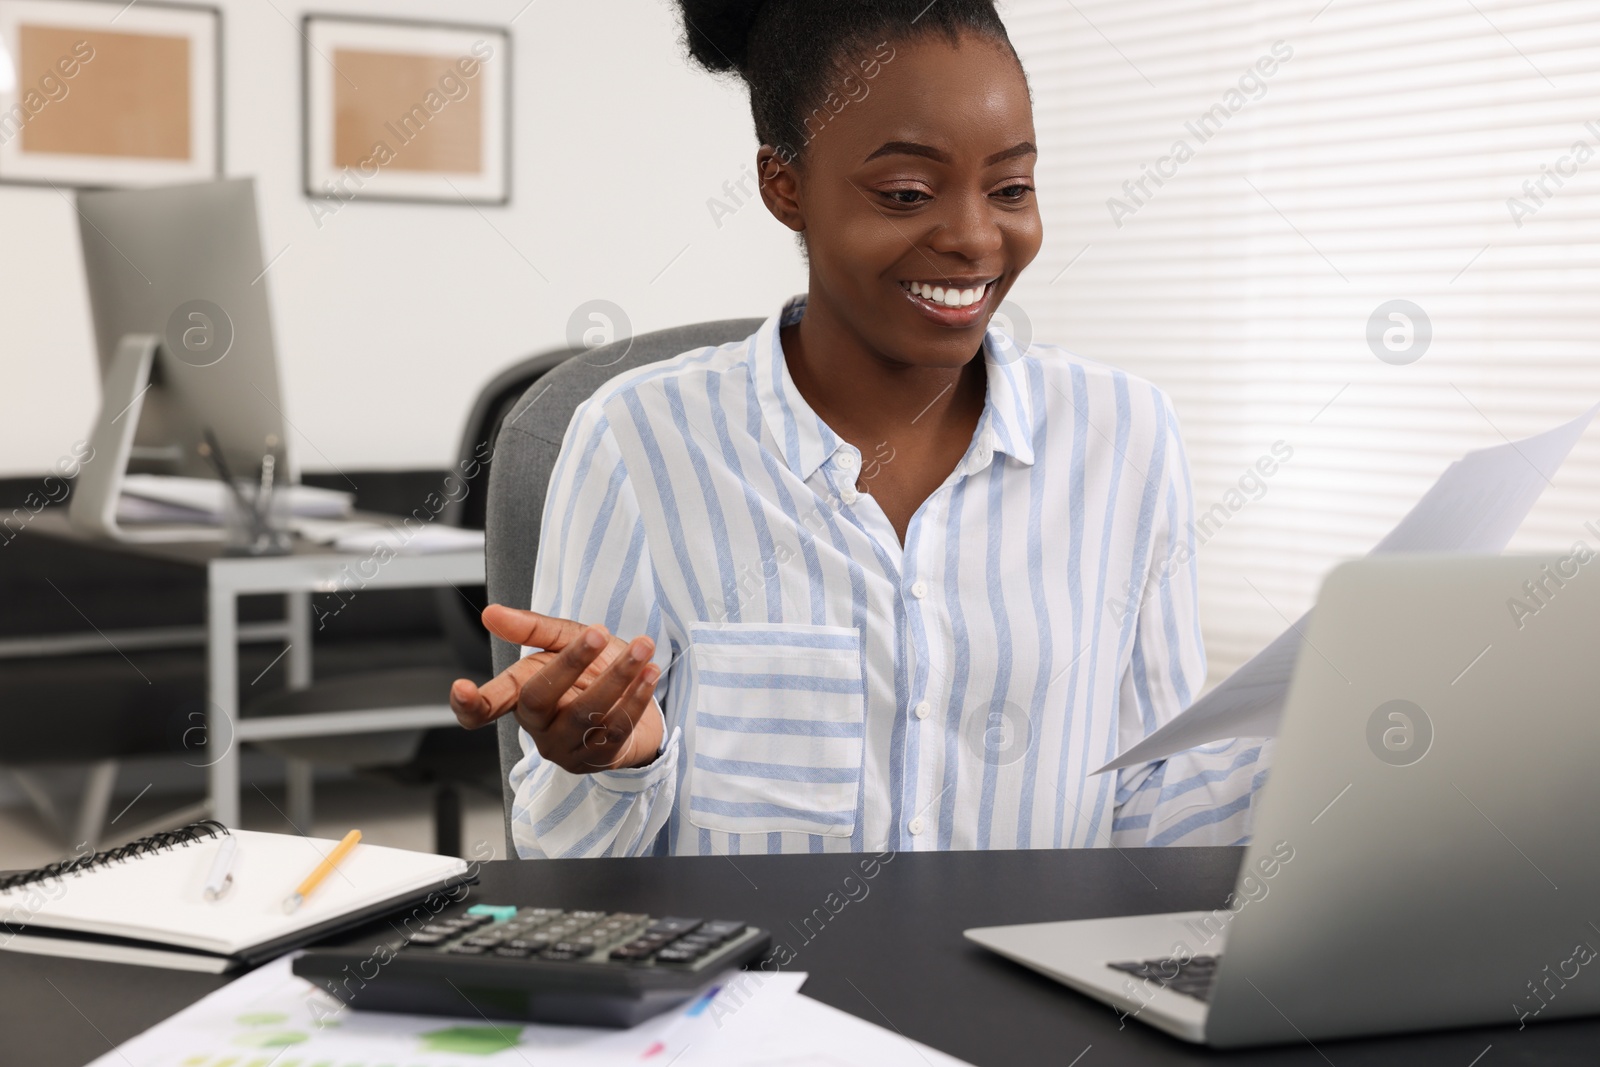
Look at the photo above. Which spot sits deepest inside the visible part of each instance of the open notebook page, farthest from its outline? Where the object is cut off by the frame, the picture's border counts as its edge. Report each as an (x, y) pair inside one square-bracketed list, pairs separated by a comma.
[(159, 896)]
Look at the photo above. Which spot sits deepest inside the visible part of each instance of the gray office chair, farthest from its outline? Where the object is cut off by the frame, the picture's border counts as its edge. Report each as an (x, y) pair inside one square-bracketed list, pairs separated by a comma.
[(524, 456)]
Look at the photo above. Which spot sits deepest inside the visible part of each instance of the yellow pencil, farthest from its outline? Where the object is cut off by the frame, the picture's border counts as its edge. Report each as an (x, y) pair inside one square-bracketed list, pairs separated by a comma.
[(325, 868)]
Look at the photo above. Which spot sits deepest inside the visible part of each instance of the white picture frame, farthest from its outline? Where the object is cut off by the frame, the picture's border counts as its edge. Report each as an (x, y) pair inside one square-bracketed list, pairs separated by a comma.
[(68, 122), (416, 81)]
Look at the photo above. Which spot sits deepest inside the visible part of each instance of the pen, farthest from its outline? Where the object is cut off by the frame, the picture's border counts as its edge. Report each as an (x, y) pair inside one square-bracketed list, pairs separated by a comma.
[(264, 495), (221, 878), (323, 869), (213, 453), (676, 1027)]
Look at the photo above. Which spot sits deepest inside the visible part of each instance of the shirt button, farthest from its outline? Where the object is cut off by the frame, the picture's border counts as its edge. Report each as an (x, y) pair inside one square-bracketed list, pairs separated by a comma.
[(845, 461), (916, 826), (924, 709), (919, 589), (849, 495)]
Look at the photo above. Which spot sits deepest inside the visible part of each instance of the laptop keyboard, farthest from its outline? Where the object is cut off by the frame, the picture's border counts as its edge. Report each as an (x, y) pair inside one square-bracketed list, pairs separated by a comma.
[(1191, 977)]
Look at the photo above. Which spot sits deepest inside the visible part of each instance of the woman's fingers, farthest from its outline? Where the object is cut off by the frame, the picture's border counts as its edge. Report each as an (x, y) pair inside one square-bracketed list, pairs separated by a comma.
[(621, 725), (478, 705), (580, 699), (598, 725), (597, 700), (469, 705), (541, 694), (530, 627)]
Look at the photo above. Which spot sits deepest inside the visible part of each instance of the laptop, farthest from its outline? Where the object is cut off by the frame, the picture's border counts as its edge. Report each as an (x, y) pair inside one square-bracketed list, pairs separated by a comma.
[(1424, 849)]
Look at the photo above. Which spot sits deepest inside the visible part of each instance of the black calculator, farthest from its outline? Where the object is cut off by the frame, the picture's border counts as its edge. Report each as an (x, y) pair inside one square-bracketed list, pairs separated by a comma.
[(588, 968)]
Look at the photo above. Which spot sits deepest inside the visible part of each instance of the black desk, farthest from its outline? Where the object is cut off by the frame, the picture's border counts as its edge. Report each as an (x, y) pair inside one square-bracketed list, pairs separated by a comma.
[(893, 955)]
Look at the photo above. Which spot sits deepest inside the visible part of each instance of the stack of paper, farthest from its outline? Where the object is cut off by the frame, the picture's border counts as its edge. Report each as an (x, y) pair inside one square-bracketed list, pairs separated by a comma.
[(399, 538), (158, 498), (754, 1019), (1474, 507)]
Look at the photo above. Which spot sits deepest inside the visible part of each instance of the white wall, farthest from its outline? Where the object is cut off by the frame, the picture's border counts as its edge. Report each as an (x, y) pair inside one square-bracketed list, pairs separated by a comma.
[(391, 317)]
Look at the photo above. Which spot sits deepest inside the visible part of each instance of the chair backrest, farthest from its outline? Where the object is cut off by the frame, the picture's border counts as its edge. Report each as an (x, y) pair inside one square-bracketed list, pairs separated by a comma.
[(525, 454)]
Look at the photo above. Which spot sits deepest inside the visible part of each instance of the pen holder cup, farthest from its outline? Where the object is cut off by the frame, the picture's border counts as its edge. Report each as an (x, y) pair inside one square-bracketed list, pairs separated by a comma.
[(256, 523)]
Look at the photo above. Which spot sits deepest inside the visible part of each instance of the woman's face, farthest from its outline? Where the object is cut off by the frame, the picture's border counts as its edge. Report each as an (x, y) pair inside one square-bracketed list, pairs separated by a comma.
[(922, 181)]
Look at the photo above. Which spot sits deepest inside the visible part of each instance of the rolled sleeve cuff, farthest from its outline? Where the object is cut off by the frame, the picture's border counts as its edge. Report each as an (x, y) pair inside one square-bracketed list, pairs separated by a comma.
[(639, 779)]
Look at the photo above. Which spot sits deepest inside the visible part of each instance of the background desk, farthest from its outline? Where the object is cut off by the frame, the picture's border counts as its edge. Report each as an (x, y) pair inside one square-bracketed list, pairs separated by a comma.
[(310, 568), (895, 957)]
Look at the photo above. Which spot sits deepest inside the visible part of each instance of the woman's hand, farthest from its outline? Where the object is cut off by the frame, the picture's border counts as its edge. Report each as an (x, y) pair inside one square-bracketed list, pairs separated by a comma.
[(586, 700)]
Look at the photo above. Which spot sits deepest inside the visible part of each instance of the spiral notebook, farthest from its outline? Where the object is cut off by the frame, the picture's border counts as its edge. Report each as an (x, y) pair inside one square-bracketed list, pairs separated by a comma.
[(145, 902)]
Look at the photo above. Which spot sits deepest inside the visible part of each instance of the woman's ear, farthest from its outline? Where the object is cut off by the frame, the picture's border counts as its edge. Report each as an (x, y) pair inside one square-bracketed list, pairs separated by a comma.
[(780, 186)]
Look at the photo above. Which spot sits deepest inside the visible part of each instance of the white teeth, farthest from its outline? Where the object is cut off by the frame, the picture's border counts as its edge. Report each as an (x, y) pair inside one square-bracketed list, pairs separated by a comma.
[(948, 297)]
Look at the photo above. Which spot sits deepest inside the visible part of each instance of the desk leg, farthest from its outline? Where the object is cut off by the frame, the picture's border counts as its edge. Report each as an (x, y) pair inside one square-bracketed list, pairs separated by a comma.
[(298, 661), (301, 773), (222, 711)]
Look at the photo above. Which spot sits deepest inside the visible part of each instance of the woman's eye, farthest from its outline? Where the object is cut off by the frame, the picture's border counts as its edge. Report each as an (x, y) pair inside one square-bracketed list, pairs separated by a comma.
[(1015, 192), (906, 197)]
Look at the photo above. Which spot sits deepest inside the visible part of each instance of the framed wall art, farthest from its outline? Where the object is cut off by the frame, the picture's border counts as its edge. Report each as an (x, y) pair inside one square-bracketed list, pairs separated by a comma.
[(406, 111), (108, 93)]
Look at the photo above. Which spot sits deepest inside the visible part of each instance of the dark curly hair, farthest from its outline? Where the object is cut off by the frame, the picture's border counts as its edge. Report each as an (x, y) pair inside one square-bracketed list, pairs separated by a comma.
[(800, 56)]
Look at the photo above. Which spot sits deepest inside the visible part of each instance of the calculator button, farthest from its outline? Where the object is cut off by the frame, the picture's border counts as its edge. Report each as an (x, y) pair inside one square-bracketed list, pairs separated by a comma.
[(426, 940), (720, 929), (673, 927), (677, 955), (557, 952), (440, 930), (631, 954), (513, 951), (695, 943), (533, 944), (465, 949), (482, 942)]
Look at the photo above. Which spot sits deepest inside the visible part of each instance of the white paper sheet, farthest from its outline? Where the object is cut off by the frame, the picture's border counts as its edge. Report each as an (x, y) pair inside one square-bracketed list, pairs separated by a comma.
[(163, 498), (801, 1032), (754, 1019), (1476, 506), (271, 1012), (357, 536)]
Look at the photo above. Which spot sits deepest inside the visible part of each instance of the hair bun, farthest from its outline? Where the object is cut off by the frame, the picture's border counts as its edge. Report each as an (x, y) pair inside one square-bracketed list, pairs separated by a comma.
[(717, 32)]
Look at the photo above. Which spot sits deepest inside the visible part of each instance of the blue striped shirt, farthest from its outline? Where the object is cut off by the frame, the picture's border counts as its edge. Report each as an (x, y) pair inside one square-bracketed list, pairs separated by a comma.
[(826, 688)]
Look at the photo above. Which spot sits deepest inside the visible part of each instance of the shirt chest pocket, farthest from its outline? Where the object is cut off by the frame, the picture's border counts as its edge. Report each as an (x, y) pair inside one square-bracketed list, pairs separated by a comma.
[(777, 715)]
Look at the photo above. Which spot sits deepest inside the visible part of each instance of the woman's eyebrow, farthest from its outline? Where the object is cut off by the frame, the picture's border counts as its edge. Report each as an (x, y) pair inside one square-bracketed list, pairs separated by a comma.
[(912, 148), (1022, 148)]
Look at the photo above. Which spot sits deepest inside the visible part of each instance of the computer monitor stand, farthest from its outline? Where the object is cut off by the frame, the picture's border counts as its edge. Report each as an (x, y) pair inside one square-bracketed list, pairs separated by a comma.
[(93, 508)]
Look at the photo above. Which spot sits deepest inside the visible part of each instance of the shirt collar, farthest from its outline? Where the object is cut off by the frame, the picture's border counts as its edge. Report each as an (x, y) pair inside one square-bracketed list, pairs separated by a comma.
[(806, 442)]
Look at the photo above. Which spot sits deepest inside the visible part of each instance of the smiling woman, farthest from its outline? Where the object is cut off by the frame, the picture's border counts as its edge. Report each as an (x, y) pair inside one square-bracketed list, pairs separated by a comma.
[(870, 552)]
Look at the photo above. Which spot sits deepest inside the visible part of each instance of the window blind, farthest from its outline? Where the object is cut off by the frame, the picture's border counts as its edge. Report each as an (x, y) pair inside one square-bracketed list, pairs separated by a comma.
[(1352, 239)]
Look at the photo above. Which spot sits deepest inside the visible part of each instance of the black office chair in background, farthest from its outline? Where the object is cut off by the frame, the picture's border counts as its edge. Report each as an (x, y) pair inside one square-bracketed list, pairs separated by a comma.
[(447, 759), (525, 451)]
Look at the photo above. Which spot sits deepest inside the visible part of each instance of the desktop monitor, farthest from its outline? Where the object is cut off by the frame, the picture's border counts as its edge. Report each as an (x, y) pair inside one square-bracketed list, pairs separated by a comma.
[(183, 328)]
